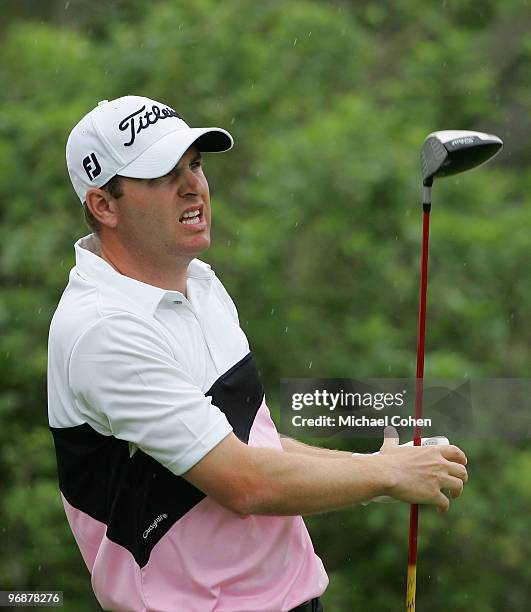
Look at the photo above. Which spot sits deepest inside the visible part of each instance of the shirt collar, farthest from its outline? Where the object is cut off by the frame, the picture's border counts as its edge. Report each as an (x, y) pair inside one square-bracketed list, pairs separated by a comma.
[(90, 265)]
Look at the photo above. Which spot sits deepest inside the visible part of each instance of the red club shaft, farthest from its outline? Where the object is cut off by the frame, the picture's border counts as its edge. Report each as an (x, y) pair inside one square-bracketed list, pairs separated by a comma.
[(421, 343)]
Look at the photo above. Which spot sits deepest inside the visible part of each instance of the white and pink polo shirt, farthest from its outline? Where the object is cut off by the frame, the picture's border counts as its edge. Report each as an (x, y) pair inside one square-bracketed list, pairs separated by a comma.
[(143, 383)]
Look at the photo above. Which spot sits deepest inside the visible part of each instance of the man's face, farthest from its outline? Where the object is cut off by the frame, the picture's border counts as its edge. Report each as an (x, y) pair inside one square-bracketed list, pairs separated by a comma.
[(167, 218)]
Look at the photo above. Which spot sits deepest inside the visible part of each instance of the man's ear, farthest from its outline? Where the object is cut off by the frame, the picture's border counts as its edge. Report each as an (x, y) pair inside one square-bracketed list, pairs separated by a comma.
[(102, 206)]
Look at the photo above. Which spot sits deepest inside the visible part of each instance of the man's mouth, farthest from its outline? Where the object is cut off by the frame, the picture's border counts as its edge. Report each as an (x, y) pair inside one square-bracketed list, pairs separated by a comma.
[(191, 216)]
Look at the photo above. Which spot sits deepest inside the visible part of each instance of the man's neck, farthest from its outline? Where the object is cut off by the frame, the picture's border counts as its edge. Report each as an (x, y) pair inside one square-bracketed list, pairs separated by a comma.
[(173, 278)]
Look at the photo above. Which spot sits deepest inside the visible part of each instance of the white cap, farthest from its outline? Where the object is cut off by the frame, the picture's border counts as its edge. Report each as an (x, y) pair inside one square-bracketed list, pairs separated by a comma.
[(135, 137)]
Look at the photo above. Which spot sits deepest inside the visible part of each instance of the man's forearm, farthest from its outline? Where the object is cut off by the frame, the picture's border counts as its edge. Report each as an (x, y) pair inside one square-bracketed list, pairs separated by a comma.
[(306, 484), (261, 480), (294, 446)]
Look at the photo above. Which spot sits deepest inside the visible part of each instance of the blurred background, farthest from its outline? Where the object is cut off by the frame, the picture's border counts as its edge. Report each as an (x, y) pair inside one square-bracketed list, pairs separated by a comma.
[(316, 234)]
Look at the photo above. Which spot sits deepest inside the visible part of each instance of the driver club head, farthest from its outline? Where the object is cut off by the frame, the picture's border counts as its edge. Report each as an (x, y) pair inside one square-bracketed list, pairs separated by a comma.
[(453, 151)]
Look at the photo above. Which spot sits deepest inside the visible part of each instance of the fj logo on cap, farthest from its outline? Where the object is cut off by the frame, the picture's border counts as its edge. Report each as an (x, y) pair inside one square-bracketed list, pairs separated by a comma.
[(150, 117), (92, 166)]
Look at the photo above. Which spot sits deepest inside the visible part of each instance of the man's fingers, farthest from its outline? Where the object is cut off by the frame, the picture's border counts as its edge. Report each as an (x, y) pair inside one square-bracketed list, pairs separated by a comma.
[(453, 453), (453, 485), (442, 503), (391, 439), (458, 470)]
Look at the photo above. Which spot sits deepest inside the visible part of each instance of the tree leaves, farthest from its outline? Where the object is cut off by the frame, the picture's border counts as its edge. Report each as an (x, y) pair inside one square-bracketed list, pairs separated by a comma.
[(316, 234)]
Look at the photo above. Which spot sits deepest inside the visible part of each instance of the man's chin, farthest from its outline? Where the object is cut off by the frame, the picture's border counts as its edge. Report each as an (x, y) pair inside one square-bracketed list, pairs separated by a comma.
[(196, 246)]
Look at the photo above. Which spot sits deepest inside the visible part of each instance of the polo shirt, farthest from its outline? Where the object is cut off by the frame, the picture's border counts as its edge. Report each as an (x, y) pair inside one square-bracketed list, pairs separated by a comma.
[(142, 383)]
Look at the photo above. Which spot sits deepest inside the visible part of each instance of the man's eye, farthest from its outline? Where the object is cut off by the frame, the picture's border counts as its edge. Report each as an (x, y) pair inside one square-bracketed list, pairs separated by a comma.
[(195, 165)]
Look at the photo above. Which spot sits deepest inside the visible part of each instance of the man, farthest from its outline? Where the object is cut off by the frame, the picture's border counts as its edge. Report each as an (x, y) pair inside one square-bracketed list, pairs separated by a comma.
[(178, 489)]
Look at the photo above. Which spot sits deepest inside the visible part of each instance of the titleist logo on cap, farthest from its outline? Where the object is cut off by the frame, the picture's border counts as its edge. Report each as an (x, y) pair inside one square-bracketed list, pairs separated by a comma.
[(136, 122)]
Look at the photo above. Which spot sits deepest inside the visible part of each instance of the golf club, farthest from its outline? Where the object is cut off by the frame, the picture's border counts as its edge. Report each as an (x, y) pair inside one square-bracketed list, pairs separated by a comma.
[(443, 153)]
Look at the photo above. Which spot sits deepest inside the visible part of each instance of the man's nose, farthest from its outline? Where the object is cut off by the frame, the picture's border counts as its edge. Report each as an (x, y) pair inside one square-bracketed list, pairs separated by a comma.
[(190, 184)]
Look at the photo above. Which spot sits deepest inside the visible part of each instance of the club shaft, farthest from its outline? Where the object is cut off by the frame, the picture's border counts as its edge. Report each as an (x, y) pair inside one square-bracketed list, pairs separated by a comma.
[(421, 343)]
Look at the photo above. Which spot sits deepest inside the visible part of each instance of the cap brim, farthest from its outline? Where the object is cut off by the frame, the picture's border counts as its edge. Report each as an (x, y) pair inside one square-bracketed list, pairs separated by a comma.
[(162, 156)]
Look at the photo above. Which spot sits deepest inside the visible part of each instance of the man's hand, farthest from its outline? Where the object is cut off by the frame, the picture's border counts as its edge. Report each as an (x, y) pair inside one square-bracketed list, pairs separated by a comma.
[(419, 473), (253, 480)]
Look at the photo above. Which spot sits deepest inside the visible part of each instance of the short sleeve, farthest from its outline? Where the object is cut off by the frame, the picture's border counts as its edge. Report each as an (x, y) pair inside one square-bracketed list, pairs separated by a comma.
[(123, 374)]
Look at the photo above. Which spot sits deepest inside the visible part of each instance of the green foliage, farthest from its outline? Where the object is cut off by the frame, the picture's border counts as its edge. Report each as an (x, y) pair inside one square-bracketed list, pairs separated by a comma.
[(316, 235)]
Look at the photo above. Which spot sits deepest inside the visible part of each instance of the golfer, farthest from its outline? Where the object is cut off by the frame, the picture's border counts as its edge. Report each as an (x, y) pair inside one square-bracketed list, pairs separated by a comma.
[(179, 491)]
